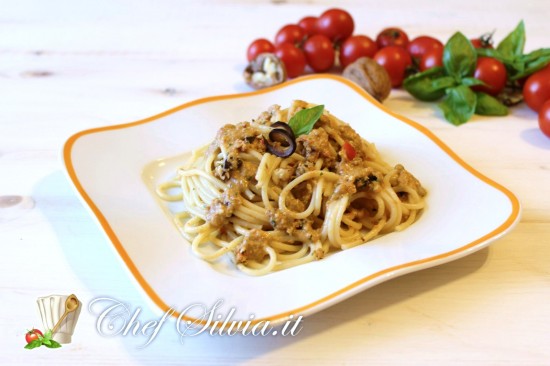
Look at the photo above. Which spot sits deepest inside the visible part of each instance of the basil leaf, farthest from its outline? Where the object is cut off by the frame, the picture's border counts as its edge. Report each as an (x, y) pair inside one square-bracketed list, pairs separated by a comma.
[(459, 56), (33, 344), (490, 52), (302, 122), (48, 335), (434, 72), (489, 106), (459, 105), (53, 344), (470, 81), (443, 82), (428, 85), (517, 66), (534, 62), (536, 54), (532, 67), (514, 42)]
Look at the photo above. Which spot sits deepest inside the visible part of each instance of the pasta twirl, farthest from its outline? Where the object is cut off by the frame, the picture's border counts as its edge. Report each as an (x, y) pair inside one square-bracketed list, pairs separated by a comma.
[(269, 213)]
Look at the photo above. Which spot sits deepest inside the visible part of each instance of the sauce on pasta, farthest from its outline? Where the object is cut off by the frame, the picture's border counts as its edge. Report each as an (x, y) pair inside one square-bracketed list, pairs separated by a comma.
[(268, 213)]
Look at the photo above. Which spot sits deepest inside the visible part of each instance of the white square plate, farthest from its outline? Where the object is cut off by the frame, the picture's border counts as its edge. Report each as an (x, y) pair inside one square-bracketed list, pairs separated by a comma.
[(116, 169)]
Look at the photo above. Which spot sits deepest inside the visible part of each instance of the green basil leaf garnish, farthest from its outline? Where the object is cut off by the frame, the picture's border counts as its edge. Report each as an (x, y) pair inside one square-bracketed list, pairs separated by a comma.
[(459, 105), (48, 334), (536, 54), (513, 44), (53, 344), (470, 81), (488, 105), (459, 56), (33, 344), (489, 52), (532, 67), (302, 122), (429, 85)]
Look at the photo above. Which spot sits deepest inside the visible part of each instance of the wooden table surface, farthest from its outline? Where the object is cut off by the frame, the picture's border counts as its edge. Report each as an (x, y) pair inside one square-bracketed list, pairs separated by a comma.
[(66, 66)]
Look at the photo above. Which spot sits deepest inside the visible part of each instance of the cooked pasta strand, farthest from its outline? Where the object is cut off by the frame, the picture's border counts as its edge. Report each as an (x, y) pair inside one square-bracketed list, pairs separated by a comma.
[(267, 213)]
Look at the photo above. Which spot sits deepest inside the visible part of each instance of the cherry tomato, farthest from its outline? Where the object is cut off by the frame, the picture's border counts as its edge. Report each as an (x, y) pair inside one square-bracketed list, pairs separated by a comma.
[(32, 335), (422, 44), (349, 150), (392, 37), (309, 25), (336, 24), (290, 33), (293, 58), (431, 58), (493, 73), (544, 118), (536, 90), (395, 60), (260, 45), (355, 47), (319, 53)]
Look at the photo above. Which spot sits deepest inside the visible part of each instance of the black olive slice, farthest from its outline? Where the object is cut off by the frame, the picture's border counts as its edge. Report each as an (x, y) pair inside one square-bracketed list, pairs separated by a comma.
[(284, 126), (281, 143)]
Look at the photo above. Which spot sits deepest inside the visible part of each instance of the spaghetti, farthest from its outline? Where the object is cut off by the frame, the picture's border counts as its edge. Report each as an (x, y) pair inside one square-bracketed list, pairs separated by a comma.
[(269, 213)]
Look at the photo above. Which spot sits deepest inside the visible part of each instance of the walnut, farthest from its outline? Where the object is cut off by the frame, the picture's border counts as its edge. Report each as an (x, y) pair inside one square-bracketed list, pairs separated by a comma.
[(265, 70), (370, 76)]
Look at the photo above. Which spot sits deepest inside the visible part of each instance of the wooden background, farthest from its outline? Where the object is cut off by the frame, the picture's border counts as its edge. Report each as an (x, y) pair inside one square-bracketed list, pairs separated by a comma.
[(66, 66)]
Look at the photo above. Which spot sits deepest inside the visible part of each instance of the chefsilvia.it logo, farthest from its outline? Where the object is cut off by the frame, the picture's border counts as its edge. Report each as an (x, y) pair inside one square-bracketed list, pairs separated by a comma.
[(114, 318), (59, 315)]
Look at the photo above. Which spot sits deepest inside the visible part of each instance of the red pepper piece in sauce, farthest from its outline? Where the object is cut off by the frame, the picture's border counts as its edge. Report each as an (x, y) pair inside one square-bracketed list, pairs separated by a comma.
[(349, 150)]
